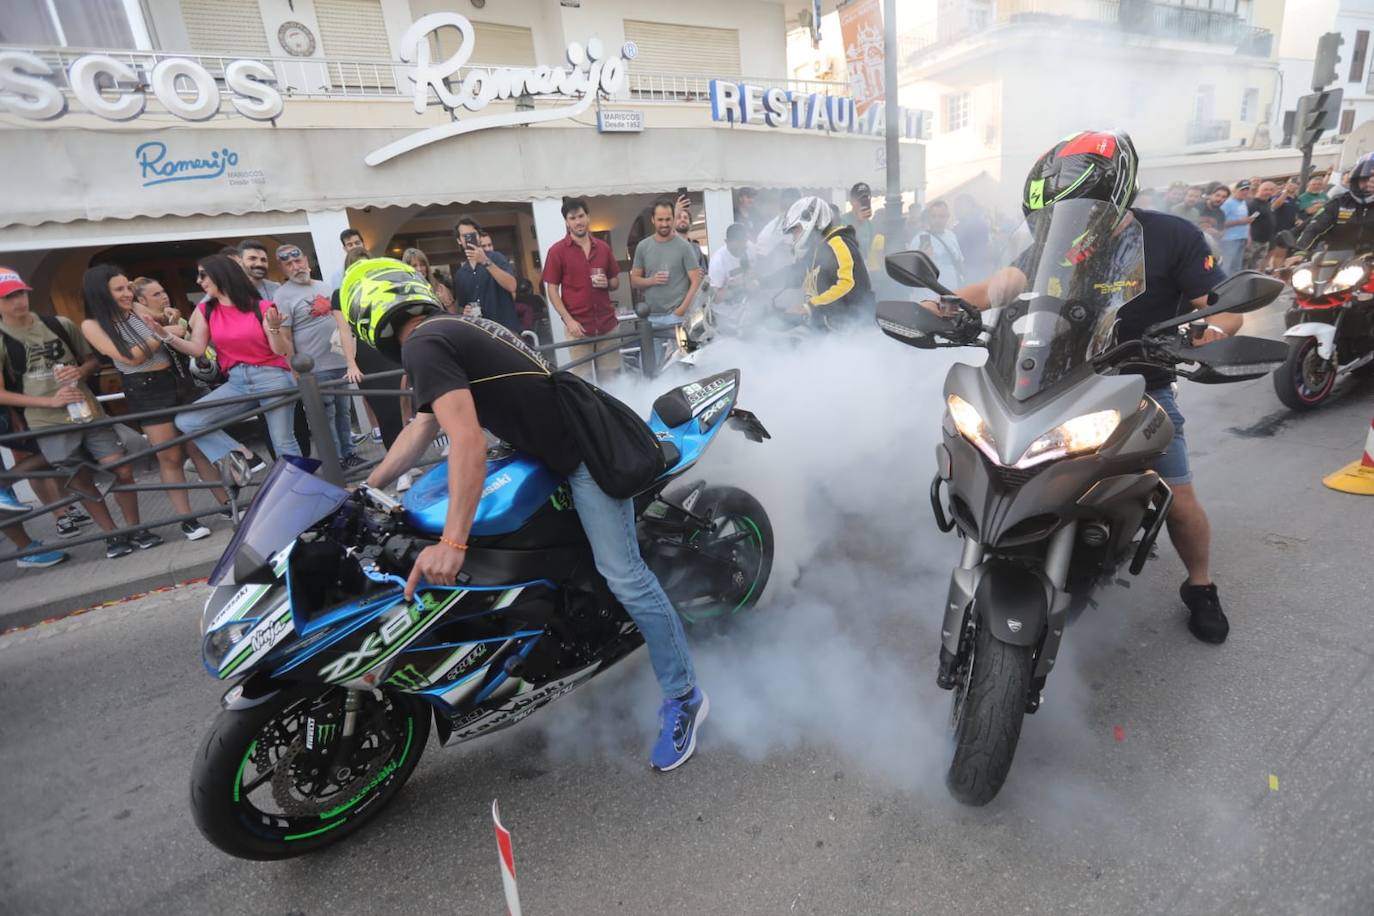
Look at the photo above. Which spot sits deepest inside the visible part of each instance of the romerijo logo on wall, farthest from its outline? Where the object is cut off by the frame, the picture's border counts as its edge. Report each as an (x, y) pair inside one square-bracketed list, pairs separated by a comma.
[(156, 166), (590, 72)]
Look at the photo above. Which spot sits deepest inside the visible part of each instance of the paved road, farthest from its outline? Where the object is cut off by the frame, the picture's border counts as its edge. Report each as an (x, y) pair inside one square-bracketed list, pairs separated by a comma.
[(817, 788)]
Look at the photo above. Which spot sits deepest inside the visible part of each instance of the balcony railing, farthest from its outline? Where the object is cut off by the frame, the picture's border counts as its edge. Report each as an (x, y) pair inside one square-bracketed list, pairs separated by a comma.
[(1168, 21), (335, 78), (1207, 131)]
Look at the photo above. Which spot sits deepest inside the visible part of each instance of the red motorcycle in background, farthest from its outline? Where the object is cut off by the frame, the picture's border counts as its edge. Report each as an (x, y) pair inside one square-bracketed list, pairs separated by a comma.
[(1330, 327)]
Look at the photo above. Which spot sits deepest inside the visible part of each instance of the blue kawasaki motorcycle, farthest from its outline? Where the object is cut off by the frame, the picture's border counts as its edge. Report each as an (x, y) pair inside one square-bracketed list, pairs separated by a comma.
[(338, 678)]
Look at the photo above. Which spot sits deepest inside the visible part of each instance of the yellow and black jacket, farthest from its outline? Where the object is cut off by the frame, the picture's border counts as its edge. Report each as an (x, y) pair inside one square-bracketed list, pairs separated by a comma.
[(1344, 224), (837, 284)]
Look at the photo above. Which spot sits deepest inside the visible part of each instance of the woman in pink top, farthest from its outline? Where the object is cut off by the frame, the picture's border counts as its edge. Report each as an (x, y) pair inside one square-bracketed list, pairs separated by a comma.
[(245, 331)]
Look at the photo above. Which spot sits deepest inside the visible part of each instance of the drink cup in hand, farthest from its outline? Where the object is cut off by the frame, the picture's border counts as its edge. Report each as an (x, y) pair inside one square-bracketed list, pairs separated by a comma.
[(661, 276), (473, 310), (598, 278)]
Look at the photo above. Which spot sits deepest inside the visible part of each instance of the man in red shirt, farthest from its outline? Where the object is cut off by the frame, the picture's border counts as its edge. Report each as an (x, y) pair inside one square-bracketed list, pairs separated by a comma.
[(580, 273)]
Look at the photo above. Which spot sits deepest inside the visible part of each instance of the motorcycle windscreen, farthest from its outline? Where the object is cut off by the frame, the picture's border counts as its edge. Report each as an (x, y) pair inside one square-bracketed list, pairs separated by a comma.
[(1069, 273), (290, 501)]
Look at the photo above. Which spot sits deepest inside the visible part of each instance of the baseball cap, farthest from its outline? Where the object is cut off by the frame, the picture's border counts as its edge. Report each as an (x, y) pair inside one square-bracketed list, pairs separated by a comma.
[(11, 282), (1243, 184), (861, 189)]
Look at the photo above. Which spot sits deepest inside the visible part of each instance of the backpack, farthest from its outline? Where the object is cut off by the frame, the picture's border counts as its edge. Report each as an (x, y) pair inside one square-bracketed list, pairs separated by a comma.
[(17, 359), (622, 454)]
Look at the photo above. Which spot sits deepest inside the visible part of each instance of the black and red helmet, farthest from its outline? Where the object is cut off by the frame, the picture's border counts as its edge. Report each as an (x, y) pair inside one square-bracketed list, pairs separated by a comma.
[(1092, 165)]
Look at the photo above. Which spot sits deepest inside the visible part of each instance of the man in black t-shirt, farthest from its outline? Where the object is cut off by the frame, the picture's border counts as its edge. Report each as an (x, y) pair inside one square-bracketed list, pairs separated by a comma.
[(470, 373), (1180, 270)]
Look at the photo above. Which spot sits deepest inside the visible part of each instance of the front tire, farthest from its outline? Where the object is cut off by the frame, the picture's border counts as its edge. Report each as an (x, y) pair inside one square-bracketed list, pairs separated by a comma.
[(988, 708), (256, 790), (1305, 380)]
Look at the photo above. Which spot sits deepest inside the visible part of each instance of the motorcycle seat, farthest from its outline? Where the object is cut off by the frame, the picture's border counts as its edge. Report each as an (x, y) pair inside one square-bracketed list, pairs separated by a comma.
[(671, 453), (678, 406)]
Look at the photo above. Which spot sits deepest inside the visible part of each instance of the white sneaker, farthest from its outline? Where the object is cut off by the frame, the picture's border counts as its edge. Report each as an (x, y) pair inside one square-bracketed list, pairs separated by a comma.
[(404, 481)]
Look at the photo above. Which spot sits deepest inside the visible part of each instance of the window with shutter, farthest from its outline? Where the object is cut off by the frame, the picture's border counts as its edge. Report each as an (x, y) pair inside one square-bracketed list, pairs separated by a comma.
[(669, 48), (354, 30), (229, 27), (493, 45)]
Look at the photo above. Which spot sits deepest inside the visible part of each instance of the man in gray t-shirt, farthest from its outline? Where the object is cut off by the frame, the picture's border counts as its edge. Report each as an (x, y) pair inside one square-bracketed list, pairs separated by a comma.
[(311, 326), (666, 269)]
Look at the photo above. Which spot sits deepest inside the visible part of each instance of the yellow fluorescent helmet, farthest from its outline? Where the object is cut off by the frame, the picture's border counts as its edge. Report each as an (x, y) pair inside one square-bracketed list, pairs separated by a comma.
[(376, 292)]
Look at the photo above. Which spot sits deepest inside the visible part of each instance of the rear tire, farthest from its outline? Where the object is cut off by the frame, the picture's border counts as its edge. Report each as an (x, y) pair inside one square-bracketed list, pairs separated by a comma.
[(226, 791), (744, 533), (1305, 380), (988, 708)]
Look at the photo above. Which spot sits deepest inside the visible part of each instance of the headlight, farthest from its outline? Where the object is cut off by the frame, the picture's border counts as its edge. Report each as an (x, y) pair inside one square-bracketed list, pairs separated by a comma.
[(1081, 434), (1302, 280), (220, 641), (971, 425), (1349, 276)]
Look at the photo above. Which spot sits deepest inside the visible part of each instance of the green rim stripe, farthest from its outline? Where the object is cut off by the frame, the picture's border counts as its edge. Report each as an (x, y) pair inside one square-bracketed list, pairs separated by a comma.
[(300, 836), (405, 751), (238, 777), (755, 584)]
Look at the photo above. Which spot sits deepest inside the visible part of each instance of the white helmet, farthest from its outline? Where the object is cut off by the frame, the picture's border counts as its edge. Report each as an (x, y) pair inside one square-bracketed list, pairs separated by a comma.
[(810, 213)]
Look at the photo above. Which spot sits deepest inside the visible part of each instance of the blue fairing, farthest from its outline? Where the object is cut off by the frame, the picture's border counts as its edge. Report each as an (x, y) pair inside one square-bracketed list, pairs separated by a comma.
[(517, 485)]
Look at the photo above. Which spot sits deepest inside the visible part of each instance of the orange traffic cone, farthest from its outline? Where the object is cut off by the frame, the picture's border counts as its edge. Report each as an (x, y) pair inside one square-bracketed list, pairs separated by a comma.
[(1358, 476)]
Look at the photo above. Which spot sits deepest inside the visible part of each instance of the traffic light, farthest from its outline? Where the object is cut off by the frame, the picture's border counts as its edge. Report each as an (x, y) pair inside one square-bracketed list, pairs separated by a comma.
[(1318, 112), (1328, 56)]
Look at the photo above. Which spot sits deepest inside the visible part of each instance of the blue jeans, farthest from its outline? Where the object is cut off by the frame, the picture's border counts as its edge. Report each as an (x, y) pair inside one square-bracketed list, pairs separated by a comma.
[(1173, 465), (336, 410), (610, 527), (1232, 255), (243, 380)]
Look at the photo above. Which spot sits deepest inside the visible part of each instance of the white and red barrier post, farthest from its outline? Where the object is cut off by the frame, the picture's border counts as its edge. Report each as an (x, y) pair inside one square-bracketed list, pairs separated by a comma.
[(1358, 476), (507, 857)]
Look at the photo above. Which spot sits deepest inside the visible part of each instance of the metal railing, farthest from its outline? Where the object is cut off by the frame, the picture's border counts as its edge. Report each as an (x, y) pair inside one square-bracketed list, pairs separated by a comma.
[(308, 392), (343, 78)]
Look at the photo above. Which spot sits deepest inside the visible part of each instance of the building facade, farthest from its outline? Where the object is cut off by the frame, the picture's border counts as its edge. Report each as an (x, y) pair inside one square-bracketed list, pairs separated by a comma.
[(1007, 78), (168, 128)]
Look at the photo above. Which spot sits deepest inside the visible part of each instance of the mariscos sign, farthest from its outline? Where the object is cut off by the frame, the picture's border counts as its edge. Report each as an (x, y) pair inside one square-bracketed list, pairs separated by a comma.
[(589, 72), (109, 87)]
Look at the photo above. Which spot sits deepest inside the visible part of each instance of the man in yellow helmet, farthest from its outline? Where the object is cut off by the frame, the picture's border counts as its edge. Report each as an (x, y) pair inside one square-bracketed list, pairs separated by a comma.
[(471, 373)]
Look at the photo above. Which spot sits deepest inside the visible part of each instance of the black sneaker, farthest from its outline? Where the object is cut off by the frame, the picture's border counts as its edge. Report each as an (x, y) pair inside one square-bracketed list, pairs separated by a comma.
[(78, 515), (194, 531), (1205, 617), (66, 528), (145, 540), (226, 512), (118, 546), (352, 461), (256, 464)]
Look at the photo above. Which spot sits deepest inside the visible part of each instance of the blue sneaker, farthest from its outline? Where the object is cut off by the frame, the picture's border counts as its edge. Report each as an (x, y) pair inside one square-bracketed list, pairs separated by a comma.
[(677, 736), (11, 503), (42, 560)]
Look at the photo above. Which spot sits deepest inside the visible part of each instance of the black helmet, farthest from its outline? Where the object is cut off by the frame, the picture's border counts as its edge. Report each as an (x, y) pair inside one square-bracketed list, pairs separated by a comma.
[(1362, 170), (1092, 165)]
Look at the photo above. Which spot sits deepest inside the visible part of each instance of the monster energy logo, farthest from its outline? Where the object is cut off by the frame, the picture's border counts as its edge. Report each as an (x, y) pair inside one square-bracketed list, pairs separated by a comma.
[(322, 733), (408, 678), (562, 497)]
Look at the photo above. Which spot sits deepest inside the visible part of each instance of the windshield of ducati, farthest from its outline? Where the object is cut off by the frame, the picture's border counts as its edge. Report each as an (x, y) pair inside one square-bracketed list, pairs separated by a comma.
[(291, 500), (1067, 274)]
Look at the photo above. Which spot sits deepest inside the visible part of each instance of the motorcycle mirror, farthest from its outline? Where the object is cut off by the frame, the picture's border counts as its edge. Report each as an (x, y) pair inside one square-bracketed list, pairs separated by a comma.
[(915, 268), (1243, 292), (912, 325), (1235, 359)]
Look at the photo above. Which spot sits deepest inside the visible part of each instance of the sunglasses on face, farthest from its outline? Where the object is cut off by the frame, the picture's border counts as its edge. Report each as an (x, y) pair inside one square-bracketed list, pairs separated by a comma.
[(289, 254)]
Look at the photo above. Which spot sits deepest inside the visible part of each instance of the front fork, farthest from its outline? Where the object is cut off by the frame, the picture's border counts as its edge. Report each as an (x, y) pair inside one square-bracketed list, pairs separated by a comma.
[(963, 584)]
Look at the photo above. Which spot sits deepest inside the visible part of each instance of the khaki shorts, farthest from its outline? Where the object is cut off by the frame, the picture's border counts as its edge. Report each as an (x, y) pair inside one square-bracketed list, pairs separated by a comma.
[(66, 449), (607, 366)]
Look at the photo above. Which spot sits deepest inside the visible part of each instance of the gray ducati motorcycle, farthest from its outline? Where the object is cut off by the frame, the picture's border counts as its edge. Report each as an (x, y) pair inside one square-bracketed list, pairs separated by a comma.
[(1044, 468)]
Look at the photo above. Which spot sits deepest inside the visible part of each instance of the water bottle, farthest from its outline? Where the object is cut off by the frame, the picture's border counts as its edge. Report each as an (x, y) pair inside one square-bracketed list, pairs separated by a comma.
[(79, 411)]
